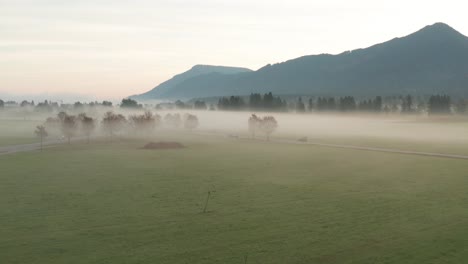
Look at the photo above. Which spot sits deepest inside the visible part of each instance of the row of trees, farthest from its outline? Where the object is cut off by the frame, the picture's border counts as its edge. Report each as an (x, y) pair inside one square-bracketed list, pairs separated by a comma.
[(344, 104), (441, 104), (112, 124), (71, 125), (48, 106), (437, 104), (256, 101)]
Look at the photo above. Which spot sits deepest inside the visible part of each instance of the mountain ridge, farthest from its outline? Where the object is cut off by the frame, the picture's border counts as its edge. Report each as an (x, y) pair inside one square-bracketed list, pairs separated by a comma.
[(197, 70), (433, 59)]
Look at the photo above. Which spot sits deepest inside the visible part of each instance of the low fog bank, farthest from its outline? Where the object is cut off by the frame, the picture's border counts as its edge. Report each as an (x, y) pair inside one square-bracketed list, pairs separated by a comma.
[(314, 126), (322, 126)]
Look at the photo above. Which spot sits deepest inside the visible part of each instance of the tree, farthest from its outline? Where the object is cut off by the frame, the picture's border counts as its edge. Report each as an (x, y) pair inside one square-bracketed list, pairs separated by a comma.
[(69, 125), (347, 104), (41, 133), (112, 123), (268, 125), (407, 104), (26, 104), (78, 105), (461, 107), (146, 122), (311, 105), (300, 107), (2, 104), (231, 103), (255, 101), (190, 122), (179, 104), (201, 105), (439, 104), (106, 103), (254, 124), (88, 125), (130, 103), (377, 103)]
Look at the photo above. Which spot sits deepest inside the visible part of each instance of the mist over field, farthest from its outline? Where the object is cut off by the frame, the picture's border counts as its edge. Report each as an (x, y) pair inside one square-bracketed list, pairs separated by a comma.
[(233, 132), (314, 126)]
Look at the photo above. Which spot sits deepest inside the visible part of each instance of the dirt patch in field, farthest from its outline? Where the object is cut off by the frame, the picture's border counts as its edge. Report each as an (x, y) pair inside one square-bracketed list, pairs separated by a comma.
[(163, 145)]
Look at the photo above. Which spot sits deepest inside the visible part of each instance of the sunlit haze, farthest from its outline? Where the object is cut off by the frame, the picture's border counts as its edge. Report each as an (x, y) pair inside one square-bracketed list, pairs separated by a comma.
[(112, 49)]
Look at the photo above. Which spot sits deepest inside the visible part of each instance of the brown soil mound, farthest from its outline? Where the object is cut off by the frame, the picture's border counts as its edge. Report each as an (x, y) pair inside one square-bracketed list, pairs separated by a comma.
[(163, 145)]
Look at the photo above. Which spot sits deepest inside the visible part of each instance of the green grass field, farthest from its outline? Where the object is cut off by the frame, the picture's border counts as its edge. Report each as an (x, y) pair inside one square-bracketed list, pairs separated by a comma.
[(274, 203)]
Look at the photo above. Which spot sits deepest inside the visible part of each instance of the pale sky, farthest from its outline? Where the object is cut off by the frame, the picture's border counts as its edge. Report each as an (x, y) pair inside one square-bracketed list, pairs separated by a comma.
[(115, 48)]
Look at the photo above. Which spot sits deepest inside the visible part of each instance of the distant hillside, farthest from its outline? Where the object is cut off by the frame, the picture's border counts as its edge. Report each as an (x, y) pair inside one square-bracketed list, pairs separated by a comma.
[(165, 89), (431, 60)]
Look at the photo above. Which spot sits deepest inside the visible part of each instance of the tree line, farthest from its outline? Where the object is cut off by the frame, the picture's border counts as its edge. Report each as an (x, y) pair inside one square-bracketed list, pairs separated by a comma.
[(434, 104), (112, 124), (256, 102)]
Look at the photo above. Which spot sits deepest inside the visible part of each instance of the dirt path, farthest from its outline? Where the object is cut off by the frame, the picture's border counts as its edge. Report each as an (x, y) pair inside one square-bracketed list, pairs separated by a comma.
[(375, 149), (5, 150), (387, 150), (28, 147), (36, 146)]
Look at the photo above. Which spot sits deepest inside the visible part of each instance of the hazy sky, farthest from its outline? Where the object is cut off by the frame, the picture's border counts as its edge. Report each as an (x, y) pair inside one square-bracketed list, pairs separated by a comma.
[(116, 48)]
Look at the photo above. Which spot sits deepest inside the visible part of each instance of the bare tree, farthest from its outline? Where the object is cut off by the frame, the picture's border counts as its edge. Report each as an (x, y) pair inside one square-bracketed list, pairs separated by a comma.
[(254, 123), (146, 122), (41, 133), (88, 125), (69, 125), (190, 122), (112, 123), (268, 125)]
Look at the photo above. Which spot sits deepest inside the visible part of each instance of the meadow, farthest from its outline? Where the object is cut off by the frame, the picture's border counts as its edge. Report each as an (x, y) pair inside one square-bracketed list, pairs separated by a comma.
[(270, 202)]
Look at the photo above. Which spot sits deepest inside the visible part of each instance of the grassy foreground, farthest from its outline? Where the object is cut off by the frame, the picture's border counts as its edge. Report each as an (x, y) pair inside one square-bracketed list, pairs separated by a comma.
[(272, 203)]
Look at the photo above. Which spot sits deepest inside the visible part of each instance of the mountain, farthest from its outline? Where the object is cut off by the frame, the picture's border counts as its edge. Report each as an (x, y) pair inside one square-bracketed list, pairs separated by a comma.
[(166, 87), (431, 60)]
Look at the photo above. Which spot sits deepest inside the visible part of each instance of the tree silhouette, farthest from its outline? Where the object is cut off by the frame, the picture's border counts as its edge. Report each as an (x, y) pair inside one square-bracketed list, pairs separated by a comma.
[(407, 104), (200, 105), (106, 103), (254, 124), (190, 122), (112, 123), (439, 104), (310, 105), (268, 125), (69, 125), (300, 107), (41, 133), (146, 122), (130, 103), (88, 125), (461, 107)]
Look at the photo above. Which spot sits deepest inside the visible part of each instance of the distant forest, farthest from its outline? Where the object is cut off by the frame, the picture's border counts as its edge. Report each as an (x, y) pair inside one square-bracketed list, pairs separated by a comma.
[(434, 104)]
